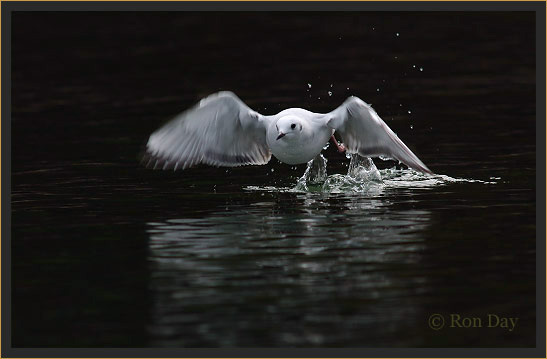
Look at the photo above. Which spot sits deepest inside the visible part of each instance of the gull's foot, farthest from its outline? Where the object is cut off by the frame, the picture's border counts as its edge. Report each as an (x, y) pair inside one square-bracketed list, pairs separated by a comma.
[(340, 146)]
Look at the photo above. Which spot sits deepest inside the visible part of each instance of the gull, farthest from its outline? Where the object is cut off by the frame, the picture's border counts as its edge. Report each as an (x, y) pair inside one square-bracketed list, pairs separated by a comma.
[(222, 131)]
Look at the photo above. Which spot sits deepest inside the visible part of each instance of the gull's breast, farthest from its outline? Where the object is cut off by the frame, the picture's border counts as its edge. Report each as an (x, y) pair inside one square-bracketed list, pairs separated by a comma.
[(300, 149)]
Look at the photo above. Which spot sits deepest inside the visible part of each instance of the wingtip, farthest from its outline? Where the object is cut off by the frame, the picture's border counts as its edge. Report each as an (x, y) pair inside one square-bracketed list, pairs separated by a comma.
[(424, 169)]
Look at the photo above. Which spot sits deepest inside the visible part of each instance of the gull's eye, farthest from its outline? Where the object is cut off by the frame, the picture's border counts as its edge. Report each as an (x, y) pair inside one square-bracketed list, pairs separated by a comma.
[(293, 126)]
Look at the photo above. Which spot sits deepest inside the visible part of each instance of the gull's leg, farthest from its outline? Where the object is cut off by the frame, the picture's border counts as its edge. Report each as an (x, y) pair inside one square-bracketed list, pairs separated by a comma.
[(340, 146)]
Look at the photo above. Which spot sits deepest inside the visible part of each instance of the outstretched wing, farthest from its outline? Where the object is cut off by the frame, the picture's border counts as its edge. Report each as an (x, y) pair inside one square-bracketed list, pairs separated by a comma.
[(220, 131), (364, 132)]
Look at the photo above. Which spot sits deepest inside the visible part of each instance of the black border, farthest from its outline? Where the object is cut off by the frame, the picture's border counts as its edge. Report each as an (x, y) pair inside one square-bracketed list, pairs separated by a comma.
[(538, 7), (271, 6), (541, 235)]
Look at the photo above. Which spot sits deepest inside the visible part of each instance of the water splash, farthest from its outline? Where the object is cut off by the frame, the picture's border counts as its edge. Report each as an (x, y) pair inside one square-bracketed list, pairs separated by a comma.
[(315, 174), (408, 178), (363, 169), (386, 158), (364, 177)]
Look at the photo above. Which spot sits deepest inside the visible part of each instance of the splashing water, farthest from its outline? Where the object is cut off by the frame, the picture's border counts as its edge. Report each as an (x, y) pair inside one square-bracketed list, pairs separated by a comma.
[(363, 177), (314, 176), (363, 169)]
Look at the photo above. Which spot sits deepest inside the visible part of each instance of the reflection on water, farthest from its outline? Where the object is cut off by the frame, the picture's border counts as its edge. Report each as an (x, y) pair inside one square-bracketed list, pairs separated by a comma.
[(308, 269)]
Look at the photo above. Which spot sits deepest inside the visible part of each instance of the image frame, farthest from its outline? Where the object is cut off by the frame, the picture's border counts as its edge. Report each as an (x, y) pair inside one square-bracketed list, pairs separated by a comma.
[(7, 8)]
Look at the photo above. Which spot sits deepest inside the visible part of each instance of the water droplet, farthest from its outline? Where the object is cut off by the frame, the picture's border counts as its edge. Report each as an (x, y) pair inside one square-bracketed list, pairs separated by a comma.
[(272, 170), (331, 85), (395, 57), (377, 90), (330, 93), (421, 68), (409, 111), (414, 66), (347, 88), (373, 28), (411, 127), (397, 34), (319, 98), (309, 86), (400, 105)]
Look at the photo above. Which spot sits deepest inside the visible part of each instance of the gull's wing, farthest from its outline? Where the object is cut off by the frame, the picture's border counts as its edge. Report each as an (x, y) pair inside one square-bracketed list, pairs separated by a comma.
[(364, 132), (220, 131)]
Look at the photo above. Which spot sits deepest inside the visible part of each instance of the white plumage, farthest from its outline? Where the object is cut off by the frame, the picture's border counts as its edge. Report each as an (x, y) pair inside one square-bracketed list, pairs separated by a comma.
[(222, 131)]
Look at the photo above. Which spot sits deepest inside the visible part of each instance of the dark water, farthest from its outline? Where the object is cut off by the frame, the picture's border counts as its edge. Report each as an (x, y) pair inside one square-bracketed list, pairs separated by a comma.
[(110, 254)]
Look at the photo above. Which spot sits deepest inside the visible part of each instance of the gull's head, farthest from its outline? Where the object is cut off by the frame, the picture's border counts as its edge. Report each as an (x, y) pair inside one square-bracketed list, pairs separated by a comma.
[(289, 127)]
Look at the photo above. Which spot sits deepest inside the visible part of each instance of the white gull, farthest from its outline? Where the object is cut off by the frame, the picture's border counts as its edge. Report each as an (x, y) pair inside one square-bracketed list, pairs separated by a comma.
[(222, 131)]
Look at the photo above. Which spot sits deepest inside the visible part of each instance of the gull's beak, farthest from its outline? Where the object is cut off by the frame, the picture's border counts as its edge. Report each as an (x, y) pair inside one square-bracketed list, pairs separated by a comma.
[(280, 135)]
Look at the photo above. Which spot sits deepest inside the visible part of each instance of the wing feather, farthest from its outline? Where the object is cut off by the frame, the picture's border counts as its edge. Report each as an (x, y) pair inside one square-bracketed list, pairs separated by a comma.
[(365, 133), (220, 131)]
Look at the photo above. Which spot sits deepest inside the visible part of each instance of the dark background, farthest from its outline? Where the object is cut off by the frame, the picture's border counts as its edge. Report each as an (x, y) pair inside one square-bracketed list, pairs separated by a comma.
[(89, 88)]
